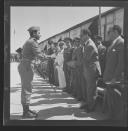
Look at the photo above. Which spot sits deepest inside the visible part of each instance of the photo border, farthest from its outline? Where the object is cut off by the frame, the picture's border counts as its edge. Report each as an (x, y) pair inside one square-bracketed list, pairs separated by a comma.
[(6, 96)]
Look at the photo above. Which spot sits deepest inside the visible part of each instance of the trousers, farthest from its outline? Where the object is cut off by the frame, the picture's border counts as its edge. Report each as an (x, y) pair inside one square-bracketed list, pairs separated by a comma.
[(67, 73), (26, 75), (90, 77), (114, 104)]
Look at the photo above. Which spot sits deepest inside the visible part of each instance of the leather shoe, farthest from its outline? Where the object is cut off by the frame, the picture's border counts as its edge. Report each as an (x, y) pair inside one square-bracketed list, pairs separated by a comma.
[(28, 114), (33, 112)]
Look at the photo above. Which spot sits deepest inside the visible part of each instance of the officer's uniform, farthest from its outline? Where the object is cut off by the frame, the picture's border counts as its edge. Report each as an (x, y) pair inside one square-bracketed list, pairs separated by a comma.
[(30, 51)]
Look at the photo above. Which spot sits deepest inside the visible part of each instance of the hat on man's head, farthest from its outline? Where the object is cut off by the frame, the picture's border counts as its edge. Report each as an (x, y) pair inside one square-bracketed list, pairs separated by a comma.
[(34, 28)]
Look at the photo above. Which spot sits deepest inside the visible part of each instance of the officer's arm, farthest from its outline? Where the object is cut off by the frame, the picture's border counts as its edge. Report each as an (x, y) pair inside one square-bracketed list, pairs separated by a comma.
[(36, 50)]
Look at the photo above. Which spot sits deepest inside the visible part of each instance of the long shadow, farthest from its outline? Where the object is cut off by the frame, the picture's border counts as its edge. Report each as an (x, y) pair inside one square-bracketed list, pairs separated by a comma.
[(42, 87), (19, 117), (56, 111), (39, 83), (56, 98), (61, 112), (51, 95), (14, 89), (43, 91), (54, 101), (66, 111)]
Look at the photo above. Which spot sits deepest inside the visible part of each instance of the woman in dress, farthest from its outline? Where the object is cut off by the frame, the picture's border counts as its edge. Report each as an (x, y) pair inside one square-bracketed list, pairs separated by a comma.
[(59, 65)]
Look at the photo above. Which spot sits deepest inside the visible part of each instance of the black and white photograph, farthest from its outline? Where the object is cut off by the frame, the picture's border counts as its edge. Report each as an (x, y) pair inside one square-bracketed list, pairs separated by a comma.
[(66, 63)]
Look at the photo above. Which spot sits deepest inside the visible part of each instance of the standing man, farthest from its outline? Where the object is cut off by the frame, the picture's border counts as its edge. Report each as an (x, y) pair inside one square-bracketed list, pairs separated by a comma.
[(50, 52), (76, 71), (101, 52), (91, 68), (29, 52), (113, 72), (67, 57)]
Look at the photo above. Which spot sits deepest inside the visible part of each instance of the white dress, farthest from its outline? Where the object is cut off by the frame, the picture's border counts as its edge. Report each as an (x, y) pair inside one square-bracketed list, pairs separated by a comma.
[(61, 77)]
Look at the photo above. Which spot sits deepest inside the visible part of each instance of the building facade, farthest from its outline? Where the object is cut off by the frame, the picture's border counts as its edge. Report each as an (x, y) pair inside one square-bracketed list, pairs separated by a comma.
[(109, 18)]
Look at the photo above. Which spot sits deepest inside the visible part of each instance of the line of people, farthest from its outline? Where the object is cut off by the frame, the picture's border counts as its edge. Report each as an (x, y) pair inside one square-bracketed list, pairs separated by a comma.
[(78, 66), (75, 66)]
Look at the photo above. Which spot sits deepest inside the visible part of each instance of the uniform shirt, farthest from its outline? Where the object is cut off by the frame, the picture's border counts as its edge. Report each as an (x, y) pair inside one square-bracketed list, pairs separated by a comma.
[(30, 49)]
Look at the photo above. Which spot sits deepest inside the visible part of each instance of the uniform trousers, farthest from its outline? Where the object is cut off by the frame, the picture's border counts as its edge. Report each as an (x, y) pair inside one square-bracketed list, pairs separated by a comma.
[(26, 74)]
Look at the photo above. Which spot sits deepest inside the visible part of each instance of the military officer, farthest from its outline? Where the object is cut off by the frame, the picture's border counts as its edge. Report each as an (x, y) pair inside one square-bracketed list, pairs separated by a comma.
[(29, 52)]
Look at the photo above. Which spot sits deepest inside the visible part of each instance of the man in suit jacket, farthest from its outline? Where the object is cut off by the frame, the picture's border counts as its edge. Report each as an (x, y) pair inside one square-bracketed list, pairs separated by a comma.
[(67, 57), (113, 72), (91, 68), (114, 56)]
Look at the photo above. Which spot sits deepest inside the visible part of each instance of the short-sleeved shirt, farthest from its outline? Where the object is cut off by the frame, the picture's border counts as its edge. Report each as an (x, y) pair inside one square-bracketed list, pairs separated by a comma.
[(30, 49)]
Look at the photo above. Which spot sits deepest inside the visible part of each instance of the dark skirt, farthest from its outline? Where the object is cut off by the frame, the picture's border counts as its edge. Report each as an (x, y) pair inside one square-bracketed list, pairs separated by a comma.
[(51, 71), (56, 82), (76, 83)]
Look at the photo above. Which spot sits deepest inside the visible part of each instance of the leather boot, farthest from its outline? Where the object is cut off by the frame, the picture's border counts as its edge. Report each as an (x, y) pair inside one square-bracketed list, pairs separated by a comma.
[(28, 113)]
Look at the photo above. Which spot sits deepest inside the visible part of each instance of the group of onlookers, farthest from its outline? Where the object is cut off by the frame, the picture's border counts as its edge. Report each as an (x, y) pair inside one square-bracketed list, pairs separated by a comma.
[(16, 57), (80, 65)]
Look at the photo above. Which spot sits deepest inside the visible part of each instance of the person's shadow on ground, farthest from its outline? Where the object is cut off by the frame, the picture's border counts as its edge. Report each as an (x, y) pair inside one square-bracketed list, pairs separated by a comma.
[(58, 105), (64, 106)]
